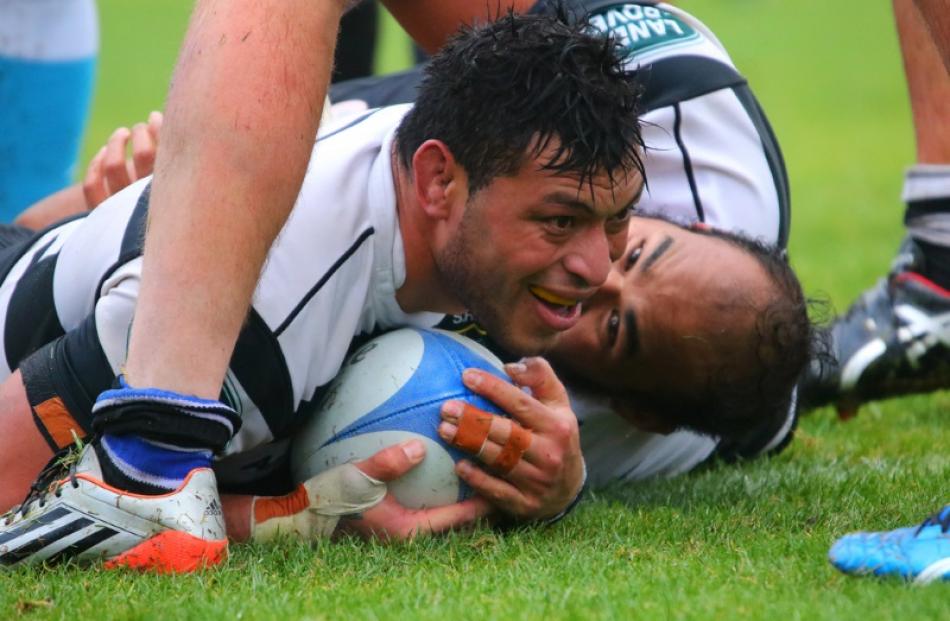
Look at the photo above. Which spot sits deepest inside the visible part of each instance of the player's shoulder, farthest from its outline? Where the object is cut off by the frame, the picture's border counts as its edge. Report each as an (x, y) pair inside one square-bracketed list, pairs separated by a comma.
[(348, 186)]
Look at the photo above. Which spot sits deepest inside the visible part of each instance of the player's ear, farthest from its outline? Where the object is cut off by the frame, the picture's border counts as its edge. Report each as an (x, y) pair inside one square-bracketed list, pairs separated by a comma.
[(439, 181)]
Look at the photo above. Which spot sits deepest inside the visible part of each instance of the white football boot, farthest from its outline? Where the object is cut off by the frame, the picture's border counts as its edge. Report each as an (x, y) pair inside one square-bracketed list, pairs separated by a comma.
[(73, 514)]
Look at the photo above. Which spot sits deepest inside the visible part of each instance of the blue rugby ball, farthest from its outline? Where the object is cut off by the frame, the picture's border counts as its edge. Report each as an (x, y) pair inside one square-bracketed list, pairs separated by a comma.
[(391, 390)]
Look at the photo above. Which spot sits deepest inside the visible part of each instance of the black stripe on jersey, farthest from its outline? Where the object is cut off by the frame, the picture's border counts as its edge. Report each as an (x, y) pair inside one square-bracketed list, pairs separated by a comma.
[(669, 81), (81, 546), (352, 123), (687, 163), (323, 280), (773, 155), (14, 235), (665, 82), (31, 548), (133, 239), (926, 207), (11, 254), (261, 369), (396, 88), (39, 522), (31, 319)]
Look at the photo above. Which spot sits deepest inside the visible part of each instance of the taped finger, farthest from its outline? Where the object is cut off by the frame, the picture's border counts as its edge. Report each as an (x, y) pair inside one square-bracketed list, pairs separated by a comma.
[(519, 439), (473, 428)]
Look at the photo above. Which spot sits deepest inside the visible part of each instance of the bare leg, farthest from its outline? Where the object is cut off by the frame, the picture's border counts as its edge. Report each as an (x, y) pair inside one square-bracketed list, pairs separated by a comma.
[(875, 357), (936, 16), (240, 122), (928, 78), (23, 450)]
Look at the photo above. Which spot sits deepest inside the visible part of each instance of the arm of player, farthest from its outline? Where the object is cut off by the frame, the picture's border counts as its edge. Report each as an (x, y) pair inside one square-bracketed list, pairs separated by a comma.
[(431, 22), (352, 496), (550, 473), (109, 171)]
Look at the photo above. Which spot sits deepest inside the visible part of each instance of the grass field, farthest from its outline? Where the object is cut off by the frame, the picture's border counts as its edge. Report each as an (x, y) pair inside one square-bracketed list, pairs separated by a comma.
[(739, 542)]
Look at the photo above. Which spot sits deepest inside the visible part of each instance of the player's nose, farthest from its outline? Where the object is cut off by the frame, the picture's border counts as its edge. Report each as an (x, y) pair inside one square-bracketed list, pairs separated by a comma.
[(589, 258)]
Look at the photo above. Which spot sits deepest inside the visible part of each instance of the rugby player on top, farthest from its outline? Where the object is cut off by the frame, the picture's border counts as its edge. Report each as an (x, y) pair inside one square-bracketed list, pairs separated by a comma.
[(701, 353), (406, 214)]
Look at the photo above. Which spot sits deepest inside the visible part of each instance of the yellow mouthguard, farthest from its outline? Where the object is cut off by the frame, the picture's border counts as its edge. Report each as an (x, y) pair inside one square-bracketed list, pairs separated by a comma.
[(553, 298)]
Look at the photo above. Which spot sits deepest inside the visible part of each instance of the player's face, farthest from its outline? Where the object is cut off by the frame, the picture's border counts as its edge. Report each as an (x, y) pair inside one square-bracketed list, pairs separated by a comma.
[(529, 248), (670, 311)]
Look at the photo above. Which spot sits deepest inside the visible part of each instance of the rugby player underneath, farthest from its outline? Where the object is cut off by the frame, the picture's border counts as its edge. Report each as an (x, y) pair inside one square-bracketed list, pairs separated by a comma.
[(481, 219)]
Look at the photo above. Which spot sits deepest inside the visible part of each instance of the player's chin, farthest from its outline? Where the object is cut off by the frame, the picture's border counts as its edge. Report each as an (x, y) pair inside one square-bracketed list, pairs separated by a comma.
[(522, 339)]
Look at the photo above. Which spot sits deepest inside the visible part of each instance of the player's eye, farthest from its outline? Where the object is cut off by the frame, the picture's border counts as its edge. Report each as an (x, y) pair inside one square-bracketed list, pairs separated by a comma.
[(622, 216), (620, 220), (633, 257), (613, 327), (561, 223)]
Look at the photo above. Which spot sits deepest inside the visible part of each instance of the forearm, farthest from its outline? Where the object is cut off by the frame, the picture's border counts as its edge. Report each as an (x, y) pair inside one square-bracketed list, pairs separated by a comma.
[(67, 202), (240, 123)]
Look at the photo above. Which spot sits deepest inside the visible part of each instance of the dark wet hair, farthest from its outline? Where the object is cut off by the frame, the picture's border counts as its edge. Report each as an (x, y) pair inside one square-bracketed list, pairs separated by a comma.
[(500, 92), (754, 391)]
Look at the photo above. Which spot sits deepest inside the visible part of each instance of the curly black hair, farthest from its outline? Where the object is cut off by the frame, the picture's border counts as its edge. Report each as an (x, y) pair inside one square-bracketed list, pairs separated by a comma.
[(503, 91)]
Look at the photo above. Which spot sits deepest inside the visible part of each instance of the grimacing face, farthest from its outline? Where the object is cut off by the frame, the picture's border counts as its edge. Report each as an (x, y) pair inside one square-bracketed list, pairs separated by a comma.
[(675, 306), (530, 247)]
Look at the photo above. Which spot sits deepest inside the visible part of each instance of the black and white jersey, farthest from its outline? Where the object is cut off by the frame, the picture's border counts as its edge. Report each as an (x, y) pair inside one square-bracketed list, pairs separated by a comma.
[(711, 157), (331, 275)]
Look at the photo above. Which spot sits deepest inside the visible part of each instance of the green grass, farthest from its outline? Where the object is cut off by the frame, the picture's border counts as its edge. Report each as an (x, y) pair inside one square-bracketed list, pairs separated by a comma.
[(738, 542)]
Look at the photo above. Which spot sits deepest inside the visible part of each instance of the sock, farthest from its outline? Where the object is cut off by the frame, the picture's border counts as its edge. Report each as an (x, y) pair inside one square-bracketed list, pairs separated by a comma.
[(136, 465), (150, 439), (936, 263), (927, 218)]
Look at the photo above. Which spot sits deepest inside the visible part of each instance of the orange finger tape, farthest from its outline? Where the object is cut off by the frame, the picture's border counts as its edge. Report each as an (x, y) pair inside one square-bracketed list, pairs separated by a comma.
[(473, 429), (519, 439)]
